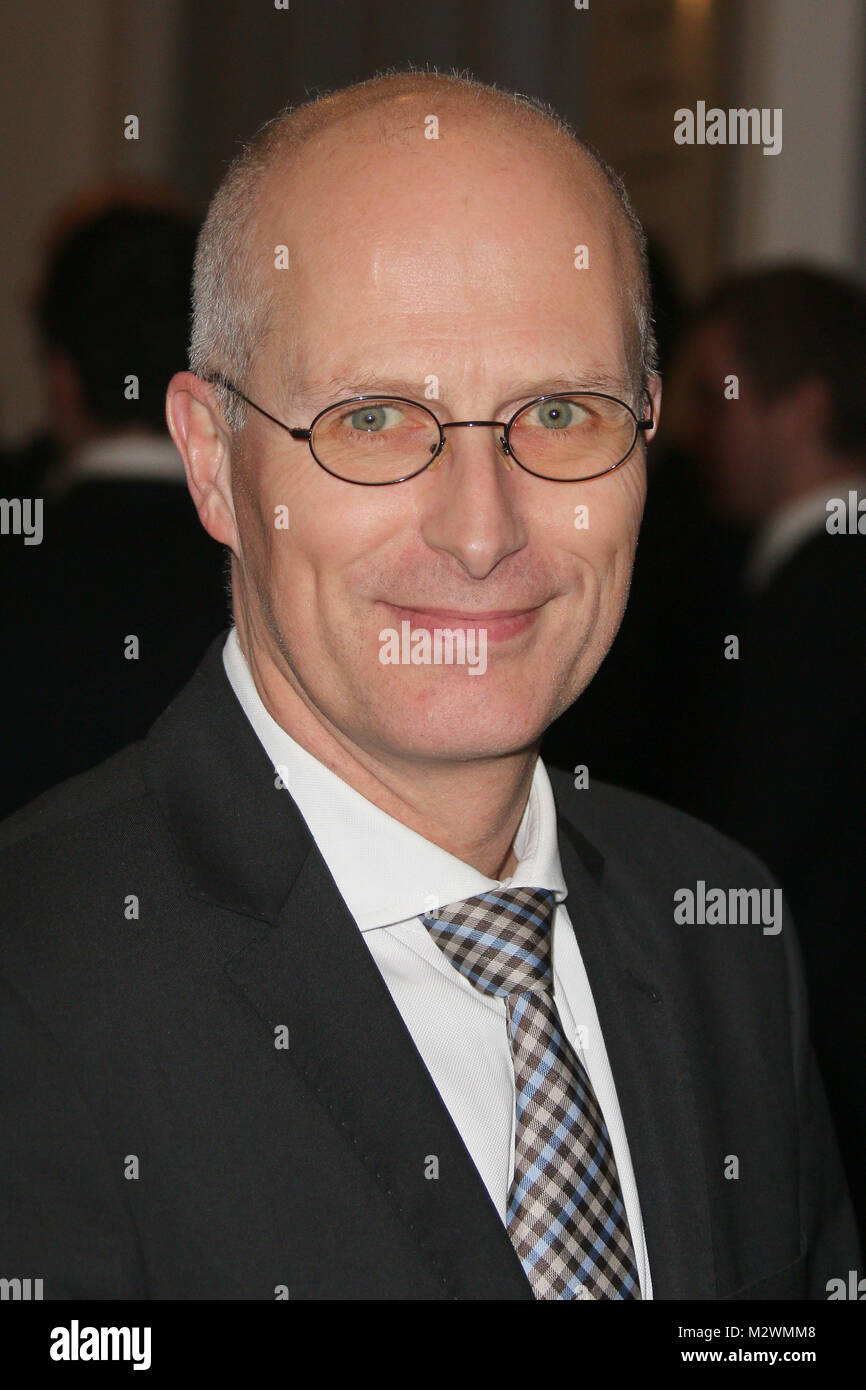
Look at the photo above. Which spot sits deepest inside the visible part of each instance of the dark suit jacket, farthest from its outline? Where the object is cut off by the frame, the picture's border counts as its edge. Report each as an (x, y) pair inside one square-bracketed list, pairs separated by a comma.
[(120, 556), (157, 1144), (791, 784)]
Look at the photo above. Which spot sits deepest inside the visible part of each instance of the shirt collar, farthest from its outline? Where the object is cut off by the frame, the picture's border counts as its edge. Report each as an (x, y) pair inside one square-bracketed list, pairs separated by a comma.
[(130, 455), (385, 872)]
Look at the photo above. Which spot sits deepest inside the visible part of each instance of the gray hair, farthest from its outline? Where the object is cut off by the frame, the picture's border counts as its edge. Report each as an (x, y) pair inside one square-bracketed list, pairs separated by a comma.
[(232, 304)]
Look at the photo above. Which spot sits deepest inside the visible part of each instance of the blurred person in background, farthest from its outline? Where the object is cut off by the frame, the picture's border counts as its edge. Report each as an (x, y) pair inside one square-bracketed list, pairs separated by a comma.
[(641, 723), (125, 590), (785, 457)]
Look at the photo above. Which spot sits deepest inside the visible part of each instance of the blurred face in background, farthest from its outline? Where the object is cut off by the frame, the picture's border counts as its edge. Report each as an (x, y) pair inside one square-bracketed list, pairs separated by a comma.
[(737, 441)]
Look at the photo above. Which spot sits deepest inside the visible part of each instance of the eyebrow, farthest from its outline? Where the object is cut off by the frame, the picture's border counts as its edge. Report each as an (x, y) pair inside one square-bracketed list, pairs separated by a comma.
[(345, 386)]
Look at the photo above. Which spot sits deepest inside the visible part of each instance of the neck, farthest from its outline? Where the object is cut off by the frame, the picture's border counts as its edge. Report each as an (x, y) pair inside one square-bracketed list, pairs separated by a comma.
[(471, 809)]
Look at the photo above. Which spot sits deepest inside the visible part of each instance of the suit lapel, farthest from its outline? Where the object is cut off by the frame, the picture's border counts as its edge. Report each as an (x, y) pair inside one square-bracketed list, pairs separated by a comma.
[(350, 1044), (245, 847), (633, 994)]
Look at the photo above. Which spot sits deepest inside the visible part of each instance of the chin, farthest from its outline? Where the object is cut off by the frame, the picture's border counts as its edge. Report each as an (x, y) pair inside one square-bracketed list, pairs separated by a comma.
[(481, 725)]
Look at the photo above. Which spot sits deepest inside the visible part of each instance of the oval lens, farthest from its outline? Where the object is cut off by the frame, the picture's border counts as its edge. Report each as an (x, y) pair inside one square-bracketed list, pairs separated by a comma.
[(375, 440), (573, 436)]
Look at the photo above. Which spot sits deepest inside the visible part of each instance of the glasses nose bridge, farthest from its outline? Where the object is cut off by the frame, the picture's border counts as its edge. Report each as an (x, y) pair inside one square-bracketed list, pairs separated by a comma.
[(471, 424), (501, 443)]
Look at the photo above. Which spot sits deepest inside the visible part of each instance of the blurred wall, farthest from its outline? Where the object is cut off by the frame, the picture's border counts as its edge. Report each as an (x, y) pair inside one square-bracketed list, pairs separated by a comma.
[(53, 109), (247, 62), (649, 58), (69, 73), (809, 59), (202, 74)]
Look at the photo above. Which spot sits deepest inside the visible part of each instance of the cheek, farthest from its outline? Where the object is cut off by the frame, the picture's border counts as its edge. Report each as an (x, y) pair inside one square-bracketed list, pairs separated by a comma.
[(333, 534), (607, 517), (596, 535)]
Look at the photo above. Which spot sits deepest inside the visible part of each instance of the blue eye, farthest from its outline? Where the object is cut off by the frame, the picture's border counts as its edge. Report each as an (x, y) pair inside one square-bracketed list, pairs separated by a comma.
[(370, 418), (555, 415), (374, 418)]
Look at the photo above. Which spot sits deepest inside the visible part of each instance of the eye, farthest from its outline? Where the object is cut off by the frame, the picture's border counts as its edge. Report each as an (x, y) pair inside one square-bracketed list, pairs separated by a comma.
[(374, 418), (555, 415)]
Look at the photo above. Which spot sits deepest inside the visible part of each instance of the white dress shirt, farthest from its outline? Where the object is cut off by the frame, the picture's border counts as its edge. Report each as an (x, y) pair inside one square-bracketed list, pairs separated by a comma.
[(133, 455), (388, 874)]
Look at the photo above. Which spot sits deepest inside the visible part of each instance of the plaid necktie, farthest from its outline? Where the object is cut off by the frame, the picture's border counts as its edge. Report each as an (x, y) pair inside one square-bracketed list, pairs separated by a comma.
[(565, 1215)]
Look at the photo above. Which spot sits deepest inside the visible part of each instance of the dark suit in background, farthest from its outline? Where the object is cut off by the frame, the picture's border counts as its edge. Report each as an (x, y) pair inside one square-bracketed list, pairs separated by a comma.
[(122, 556), (647, 716), (769, 745), (790, 782)]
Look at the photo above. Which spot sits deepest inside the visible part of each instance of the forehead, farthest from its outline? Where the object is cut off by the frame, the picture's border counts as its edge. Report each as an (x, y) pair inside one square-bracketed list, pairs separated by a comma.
[(415, 249)]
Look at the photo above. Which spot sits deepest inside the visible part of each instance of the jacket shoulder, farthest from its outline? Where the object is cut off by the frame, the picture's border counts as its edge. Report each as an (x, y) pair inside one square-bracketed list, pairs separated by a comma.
[(646, 835), (76, 804)]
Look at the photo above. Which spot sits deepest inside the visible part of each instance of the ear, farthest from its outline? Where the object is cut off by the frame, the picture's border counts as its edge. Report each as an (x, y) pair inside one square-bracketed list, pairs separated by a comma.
[(654, 387), (197, 427)]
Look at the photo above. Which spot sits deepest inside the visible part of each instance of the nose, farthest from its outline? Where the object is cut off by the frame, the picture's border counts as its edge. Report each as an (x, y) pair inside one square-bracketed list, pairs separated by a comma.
[(472, 513)]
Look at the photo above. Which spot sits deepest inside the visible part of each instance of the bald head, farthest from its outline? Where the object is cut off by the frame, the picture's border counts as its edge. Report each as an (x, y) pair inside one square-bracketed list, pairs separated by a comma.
[(428, 240), (293, 185)]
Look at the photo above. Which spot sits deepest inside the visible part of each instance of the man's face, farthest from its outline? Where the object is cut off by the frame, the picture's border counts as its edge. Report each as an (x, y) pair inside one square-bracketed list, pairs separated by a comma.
[(454, 260)]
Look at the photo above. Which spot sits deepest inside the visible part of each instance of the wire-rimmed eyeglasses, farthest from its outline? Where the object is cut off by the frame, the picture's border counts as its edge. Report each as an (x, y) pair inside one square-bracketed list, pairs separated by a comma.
[(375, 441)]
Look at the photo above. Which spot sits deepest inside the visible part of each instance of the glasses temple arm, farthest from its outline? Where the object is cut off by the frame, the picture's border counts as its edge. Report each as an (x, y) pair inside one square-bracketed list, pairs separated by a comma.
[(217, 379)]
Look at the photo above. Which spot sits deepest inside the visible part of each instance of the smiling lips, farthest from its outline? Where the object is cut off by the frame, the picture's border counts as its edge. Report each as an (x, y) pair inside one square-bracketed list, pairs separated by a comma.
[(499, 623)]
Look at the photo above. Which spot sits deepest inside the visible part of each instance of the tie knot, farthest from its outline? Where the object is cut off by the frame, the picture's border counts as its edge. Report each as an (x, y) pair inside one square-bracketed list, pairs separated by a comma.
[(499, 940)]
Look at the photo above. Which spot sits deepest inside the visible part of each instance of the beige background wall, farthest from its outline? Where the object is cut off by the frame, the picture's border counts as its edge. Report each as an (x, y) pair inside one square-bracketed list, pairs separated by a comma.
[(70, 72), (200, 74)]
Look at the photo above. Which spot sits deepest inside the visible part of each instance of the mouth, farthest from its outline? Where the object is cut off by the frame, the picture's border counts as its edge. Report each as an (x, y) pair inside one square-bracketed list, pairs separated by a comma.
[(499, 624)]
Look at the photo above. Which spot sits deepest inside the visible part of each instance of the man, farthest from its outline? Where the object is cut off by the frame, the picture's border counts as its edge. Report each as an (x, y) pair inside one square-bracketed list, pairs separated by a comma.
[(113, 319), (324, 991), (786, 457)]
